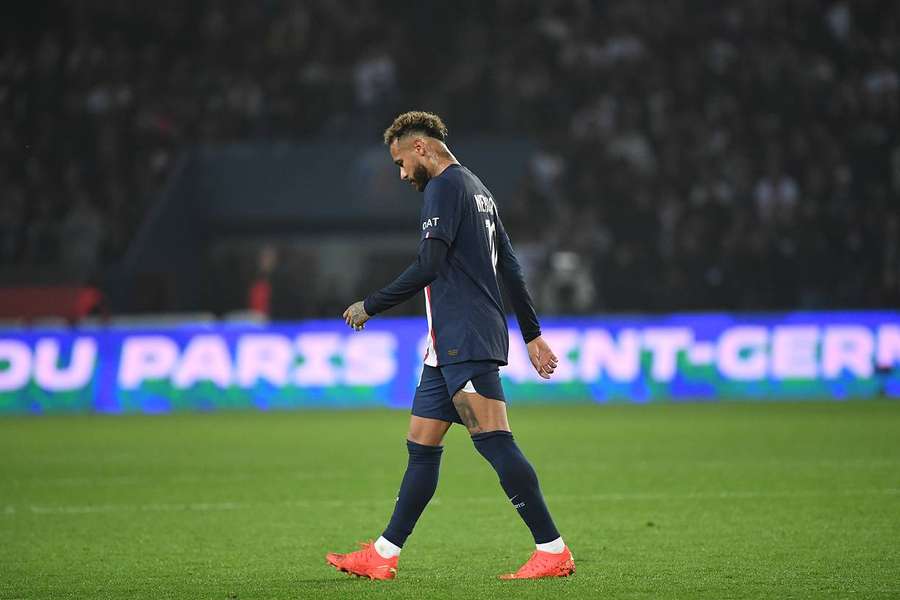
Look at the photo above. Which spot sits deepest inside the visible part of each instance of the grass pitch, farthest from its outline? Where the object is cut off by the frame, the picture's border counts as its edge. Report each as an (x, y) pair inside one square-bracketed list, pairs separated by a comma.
[(661, 501)]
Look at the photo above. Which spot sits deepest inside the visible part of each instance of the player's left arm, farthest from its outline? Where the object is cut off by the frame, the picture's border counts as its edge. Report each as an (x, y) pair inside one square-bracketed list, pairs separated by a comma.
[(424, 270), (541, 355)]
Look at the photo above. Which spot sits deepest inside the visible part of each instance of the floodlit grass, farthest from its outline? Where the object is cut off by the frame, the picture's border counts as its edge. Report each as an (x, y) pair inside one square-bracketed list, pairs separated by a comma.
[(661, 501)]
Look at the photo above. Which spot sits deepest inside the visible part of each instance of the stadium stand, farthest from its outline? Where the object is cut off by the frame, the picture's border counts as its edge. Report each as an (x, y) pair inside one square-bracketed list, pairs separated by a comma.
[(744, 155)]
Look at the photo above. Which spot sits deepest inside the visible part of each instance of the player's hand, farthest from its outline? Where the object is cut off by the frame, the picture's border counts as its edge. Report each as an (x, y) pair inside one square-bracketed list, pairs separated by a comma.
[(356, 316), (542, 357)]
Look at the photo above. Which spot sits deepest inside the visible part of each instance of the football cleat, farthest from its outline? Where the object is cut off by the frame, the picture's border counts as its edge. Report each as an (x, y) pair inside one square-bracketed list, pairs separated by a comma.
[(545, 564), (365, 562)]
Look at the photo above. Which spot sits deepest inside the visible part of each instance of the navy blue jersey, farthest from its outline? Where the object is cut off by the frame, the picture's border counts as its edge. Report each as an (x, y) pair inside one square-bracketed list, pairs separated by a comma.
[(464, 305), (463, 250)]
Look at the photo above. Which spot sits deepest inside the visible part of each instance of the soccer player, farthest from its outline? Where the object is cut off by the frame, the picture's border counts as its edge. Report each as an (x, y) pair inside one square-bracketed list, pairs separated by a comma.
[(463, 251)]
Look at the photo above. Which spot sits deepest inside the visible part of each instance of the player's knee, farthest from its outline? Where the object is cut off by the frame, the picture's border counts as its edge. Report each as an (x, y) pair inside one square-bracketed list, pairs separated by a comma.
[(427, 432), (423, 454), (424, 438), (495, 442)]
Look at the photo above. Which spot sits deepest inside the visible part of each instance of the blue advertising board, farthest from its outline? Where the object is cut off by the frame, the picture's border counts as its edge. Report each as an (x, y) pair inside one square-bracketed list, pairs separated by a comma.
[(715, 356)]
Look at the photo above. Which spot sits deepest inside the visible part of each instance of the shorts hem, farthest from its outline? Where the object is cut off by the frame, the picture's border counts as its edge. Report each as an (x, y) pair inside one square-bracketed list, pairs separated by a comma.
[(436, 417)]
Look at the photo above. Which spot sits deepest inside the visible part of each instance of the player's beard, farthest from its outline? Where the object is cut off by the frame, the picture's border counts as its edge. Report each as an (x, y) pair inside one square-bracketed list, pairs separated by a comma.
[(420, 177)]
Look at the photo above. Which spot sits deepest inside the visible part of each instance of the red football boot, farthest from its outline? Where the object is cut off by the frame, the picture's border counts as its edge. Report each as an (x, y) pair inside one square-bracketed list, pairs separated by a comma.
[(545, 564), (365, 562)]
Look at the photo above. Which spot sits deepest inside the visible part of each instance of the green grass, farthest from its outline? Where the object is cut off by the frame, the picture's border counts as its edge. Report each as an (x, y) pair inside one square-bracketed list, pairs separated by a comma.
[(662, 501)]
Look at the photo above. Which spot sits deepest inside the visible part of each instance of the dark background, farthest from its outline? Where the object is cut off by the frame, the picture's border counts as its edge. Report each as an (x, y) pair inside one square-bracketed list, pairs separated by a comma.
[(645, 155)]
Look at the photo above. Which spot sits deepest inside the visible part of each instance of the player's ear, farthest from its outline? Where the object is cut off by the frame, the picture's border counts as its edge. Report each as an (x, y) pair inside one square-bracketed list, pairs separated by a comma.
[(419, 146)]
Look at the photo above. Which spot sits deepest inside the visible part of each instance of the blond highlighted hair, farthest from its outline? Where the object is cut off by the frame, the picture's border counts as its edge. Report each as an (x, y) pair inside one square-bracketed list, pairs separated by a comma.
[(416, 121)]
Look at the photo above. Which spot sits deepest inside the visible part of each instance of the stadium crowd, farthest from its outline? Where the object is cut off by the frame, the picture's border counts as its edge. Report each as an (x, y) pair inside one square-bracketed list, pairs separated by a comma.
[(693, 155)]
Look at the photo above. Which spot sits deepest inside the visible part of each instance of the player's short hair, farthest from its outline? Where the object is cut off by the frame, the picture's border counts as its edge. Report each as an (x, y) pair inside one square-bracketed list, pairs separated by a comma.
[(415, 121)]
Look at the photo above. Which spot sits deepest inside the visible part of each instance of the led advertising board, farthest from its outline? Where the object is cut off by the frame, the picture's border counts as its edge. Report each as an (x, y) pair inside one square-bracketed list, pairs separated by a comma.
[(684, 357)]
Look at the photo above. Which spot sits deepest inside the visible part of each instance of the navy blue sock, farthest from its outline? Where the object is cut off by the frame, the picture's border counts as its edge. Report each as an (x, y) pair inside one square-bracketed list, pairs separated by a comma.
[(519, 481), (416, 489)]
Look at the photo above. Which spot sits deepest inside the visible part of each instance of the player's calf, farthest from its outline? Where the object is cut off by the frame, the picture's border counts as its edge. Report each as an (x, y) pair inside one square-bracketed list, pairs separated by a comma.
[(416, 490), (378, 560), (519, 480)]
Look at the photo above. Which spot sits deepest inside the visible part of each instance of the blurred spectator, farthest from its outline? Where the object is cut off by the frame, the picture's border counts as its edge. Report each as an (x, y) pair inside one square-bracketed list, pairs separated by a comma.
[(12, 222), (744, 156), (259, 296), (82, 231), (776, 195)]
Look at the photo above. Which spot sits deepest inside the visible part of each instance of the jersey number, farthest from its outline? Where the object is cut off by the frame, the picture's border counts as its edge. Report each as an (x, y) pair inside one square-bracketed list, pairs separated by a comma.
[(492, 242)]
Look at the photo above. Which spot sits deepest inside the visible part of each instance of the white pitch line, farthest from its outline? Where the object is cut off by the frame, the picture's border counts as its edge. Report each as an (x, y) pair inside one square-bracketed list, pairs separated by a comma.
[(609, 497), (157, 507), (126, 480), (297, 474), (727, 495)]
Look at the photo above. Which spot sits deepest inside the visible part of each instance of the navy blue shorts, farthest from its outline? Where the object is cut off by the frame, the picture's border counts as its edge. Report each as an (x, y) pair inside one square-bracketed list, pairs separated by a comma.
[(433, 399)]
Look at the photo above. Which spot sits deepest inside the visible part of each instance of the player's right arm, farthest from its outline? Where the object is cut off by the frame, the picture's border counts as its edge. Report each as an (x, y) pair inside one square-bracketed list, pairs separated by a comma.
[(424, 270), (541, 355), (440, 220)]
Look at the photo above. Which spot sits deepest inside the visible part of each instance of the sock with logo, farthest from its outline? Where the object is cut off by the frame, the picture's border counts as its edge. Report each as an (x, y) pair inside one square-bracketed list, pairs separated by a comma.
[(519, 481), (416, 489)]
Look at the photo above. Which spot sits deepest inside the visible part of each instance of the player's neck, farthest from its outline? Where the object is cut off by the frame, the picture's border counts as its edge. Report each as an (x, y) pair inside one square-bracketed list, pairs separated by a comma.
[(443, 163)]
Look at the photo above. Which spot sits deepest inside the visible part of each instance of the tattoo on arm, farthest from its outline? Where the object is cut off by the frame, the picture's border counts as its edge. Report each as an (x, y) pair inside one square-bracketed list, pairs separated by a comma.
[(358, 312), (466, 413)]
